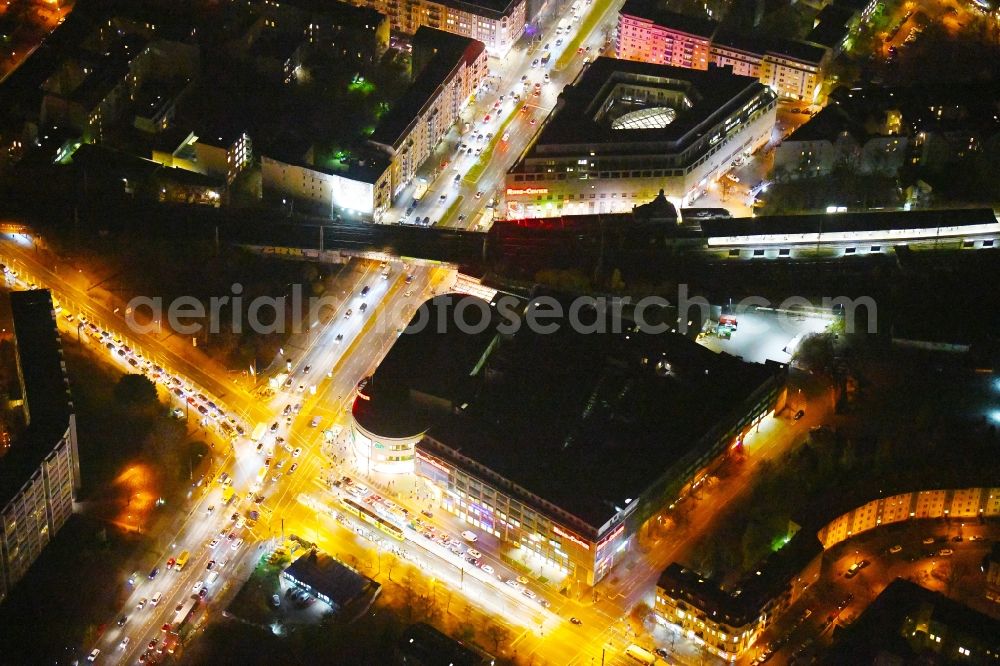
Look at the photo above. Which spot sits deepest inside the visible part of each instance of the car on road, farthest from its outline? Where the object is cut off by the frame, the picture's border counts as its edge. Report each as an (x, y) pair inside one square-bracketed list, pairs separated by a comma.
[(534, 63), (364, 306), (547, 78), (487, 569), (522, 580), (153, 573), (156, 599), (315, 422), (347, 315), (93, 654), (291, 470), (142, 604), (479, 194), (444, 197), (513, 584), (339, 338), (799, 414), (945, 552), (468, 535), (528, 593), (662, 653), (211, 563), (197, 587), (213, 543), (928, 541), (575, 621), (365, 290), (533, 121), (122, 620), (297, 452), (236, 544), (274, 427), (895, 549)]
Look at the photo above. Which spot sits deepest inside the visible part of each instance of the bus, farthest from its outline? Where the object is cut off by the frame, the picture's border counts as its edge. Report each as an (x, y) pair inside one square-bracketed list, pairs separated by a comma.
[(184, 612), (227, 494), (640, 654), (182, 560), (258, 432), (366, 515)]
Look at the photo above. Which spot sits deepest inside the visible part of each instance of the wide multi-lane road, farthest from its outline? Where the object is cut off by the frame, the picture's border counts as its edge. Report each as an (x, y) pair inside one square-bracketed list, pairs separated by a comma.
[(473, 175)]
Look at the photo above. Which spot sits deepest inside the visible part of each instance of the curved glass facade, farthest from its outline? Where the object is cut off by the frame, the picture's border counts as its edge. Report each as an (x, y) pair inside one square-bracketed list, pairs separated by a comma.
[(384, 454)]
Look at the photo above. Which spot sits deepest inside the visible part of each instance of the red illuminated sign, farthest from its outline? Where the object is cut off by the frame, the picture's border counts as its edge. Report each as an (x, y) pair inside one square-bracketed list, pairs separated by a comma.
[(572, 537), (614, 533), (433, 462), (512, 192)]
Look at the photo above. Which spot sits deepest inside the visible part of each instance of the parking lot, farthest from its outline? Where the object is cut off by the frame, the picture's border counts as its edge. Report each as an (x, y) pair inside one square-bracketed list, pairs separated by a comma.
[(764, 334)]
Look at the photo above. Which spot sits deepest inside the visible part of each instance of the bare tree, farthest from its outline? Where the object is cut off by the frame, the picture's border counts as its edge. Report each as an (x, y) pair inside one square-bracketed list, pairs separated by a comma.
[(497, 633)]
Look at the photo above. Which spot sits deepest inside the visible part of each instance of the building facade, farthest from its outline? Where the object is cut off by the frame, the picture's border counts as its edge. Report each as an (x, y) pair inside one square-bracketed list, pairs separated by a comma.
[(625, 130), (957, 503), (498, 24), (793, 69), (728, 622), (40, 473), (454, 69), (661, 37)]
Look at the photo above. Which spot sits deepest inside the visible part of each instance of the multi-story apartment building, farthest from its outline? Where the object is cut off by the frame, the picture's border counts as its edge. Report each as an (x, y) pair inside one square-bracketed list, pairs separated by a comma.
[(625, 130), (649, 34), (793, 69), (356, 33), (453, 68), (40, 472), (728, 621), (496, 23)]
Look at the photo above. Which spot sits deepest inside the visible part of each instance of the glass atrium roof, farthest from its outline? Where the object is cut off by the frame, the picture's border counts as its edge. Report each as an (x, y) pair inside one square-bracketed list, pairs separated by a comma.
[(656, 117)]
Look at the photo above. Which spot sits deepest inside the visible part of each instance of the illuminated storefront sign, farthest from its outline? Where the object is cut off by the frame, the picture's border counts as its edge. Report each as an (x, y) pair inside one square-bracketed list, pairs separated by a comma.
[(608, 539), (433, 462), (512, 192), (566, 535)]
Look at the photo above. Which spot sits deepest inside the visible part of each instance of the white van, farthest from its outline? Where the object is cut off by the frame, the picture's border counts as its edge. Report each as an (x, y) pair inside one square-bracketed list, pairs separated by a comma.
[(212, 577)]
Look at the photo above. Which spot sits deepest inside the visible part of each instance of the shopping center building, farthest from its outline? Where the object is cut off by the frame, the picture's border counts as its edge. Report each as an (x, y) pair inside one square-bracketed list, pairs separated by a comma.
[(624, 130), (560, 444)]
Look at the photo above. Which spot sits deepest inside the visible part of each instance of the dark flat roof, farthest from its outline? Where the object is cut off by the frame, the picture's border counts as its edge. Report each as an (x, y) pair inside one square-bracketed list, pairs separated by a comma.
[(829, 34), (39, 351), (329, 576), (423, 375), (430, 647), (883, 630), (588, 421), (340, 11), (710, 91), (828, 124), (795, 49), (650, 10), (45, 388), (449, 51), (839, 222)]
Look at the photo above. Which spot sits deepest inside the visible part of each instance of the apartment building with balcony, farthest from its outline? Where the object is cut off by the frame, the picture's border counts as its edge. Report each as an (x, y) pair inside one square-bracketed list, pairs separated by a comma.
[(40, 472)]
